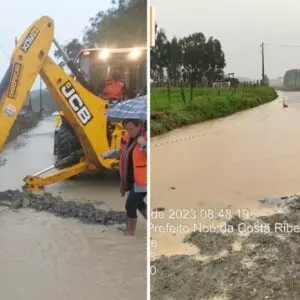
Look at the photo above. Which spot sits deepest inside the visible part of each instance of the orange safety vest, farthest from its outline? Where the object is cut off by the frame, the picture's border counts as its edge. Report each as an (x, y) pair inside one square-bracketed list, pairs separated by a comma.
[(113, 89), (139, 158)]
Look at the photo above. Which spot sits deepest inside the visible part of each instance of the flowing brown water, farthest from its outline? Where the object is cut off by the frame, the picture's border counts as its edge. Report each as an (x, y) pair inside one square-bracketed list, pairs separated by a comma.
[(228, 163), (45, 257)]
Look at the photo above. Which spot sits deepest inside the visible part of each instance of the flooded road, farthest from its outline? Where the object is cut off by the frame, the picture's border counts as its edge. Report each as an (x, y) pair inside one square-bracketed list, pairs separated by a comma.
[(33, 152), (46, 257), (224, 164)]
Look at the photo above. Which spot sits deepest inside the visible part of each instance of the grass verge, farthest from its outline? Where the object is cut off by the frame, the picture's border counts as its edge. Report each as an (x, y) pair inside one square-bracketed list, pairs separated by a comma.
[(208, 103)]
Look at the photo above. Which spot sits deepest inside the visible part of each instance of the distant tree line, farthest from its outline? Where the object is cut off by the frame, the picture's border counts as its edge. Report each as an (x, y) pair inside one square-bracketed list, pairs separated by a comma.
[(189, 60), (123, 25), (291, 79), (32, 104)]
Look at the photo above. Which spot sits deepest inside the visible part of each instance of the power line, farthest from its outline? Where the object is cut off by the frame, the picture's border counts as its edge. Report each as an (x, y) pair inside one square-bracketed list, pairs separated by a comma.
[(242, 54), (266, 44), (282, 46), (256, 48)]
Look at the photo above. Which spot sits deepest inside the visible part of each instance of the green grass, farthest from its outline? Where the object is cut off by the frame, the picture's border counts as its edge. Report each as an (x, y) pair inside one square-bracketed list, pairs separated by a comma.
[(208, 103)]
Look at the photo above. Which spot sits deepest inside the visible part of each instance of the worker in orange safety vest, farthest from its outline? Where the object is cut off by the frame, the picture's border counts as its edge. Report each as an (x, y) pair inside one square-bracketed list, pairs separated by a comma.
[(133, 171), (113, 87)]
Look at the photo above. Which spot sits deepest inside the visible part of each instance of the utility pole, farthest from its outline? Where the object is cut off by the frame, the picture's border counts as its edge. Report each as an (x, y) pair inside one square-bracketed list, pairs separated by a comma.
[(41, 97), (263, 63)]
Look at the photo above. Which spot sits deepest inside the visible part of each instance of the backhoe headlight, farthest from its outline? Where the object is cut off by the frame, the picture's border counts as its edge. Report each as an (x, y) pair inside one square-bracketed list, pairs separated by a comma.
[(104, 54), (135, 54)]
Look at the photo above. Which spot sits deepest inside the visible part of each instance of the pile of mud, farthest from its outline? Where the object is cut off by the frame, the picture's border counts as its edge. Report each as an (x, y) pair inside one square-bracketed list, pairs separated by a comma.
[(265, 265), (85, 212)]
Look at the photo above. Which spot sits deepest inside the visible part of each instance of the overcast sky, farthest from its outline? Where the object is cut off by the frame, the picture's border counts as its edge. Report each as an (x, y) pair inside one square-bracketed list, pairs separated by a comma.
[(70, 18), (241, 26)]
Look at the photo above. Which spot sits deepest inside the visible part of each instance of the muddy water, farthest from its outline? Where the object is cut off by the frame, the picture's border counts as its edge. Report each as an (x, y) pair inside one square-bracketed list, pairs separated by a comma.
[(45, 257), (224, 164), (33, 152)]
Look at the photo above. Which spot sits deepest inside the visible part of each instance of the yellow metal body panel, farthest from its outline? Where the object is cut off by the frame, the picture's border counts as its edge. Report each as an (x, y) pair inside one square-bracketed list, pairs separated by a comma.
[(26, 62), (35, 183), (84, 111)]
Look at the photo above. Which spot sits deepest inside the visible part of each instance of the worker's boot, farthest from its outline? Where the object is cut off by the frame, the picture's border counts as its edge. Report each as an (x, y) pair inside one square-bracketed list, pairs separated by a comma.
[(131, 226), (144, 213)]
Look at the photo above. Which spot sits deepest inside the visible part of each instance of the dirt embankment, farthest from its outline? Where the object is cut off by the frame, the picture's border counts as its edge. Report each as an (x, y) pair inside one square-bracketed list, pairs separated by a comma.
[(85, 212), (262, 262), (23, 124)]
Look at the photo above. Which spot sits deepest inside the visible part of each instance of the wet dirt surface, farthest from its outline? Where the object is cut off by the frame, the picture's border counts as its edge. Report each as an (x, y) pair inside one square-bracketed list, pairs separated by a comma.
[(46, 251), (207, 173), (210, 243), (265, 266), (85, 212)]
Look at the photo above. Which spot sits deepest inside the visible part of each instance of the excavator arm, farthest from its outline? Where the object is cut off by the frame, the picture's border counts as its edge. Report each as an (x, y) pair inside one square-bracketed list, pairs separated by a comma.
[(85, 112), (25, 64)]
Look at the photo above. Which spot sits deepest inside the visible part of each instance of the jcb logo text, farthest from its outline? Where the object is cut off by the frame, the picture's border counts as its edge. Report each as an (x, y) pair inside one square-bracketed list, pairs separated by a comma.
[(76, 103)]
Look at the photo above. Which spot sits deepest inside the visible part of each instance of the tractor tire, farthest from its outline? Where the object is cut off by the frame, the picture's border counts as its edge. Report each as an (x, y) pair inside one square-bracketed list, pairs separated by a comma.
[(67, 144), (55, 143)]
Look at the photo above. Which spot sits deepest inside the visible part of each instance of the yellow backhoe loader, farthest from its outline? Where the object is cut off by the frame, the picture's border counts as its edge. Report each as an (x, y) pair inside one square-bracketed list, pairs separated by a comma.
[(96, 64), (85, 133)]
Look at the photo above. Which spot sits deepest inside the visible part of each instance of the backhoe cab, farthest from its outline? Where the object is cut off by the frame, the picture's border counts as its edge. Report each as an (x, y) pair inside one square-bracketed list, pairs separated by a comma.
[(83, 111), (130, 64)]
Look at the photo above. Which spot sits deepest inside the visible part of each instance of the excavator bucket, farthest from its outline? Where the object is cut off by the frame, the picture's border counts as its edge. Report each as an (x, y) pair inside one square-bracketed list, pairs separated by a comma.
[(25, 64)]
